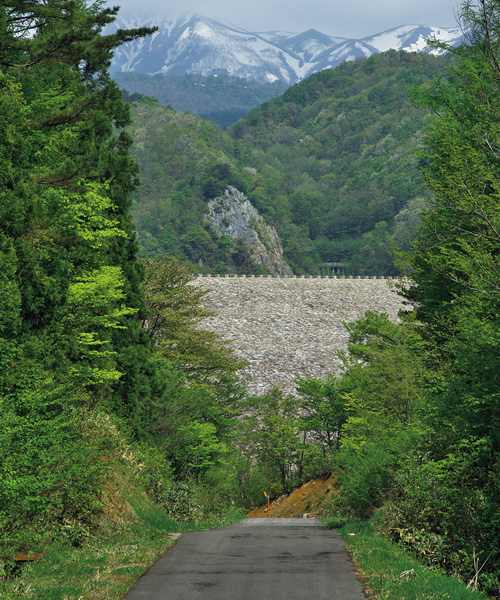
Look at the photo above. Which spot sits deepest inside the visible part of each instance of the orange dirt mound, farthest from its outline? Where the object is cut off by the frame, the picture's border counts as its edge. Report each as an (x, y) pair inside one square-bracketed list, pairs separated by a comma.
[(310, 498)]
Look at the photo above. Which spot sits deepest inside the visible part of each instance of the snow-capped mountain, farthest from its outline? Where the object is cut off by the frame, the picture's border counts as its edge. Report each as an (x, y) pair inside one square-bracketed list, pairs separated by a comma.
[(308, 45), (202, 46), (412, 38), (344, 51)]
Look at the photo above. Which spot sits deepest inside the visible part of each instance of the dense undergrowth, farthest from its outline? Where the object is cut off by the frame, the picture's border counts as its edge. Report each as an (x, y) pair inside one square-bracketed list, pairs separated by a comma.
[(103, 562), (388, 572)]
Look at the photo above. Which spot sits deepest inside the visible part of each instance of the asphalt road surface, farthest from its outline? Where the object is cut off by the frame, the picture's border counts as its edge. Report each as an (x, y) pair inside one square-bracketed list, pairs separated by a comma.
[(257, 559)]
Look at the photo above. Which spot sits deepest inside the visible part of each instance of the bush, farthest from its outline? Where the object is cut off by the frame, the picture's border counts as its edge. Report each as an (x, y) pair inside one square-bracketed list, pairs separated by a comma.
[(441, 518)]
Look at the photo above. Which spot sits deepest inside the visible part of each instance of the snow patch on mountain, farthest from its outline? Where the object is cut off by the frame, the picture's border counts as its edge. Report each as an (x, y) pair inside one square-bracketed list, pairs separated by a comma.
[(412, 38), (345, 52), (197, 45)]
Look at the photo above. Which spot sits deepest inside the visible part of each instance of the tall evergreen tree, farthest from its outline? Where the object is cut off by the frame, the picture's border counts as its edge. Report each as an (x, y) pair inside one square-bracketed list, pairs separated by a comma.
[(69, 185), (69, 279)]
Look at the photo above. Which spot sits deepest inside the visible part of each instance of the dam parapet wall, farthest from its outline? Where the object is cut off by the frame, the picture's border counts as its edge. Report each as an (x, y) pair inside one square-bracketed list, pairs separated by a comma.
[(236, 276)]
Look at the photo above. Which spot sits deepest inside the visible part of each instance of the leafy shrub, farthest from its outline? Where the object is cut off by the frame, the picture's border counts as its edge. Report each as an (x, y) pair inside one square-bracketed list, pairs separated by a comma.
[(180, 503), (51, 475), (365, 478), (439, 516)]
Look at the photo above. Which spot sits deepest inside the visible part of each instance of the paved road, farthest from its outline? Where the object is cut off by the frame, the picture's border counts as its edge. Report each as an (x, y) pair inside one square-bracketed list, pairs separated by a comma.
[(257, 559)]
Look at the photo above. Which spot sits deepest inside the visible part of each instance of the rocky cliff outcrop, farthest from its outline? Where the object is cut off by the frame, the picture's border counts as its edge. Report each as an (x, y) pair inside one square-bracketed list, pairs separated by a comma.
[(234, 215)]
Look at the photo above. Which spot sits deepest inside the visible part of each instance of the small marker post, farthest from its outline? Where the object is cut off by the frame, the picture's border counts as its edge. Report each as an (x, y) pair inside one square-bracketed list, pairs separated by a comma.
[(268, 506)]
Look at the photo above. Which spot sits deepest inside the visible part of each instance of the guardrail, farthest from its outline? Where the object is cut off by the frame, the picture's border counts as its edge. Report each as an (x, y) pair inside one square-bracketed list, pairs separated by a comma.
[(236, 276)]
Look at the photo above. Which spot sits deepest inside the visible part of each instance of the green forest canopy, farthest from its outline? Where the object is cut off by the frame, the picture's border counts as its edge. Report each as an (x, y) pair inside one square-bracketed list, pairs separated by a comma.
[(331, 163)]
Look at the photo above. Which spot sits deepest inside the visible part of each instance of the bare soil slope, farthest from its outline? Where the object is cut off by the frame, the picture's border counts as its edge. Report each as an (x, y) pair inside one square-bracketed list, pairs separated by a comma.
[(312, 498)]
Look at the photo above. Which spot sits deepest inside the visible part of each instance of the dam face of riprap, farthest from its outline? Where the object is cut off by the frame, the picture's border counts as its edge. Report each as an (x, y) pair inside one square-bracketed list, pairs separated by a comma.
[(286, 326)]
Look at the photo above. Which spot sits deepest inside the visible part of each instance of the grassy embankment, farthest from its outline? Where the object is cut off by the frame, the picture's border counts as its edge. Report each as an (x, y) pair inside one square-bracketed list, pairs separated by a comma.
[(132, 534), (389, 573)]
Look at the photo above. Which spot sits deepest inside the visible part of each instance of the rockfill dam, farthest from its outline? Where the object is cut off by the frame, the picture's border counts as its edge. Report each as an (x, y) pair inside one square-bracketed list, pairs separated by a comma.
[(288, 326)]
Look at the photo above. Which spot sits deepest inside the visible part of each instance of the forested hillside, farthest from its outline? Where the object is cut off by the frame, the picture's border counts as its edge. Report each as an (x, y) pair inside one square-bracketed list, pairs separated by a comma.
[(341, 150), (331, 164), (222, 98), (184, 161)]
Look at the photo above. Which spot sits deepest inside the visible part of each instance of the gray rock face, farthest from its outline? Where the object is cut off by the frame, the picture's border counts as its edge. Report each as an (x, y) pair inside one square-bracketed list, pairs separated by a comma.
[(290, 326), (234, 215)]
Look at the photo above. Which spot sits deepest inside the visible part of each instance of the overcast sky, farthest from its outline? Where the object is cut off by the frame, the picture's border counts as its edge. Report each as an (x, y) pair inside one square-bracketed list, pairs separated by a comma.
[(345, 18)]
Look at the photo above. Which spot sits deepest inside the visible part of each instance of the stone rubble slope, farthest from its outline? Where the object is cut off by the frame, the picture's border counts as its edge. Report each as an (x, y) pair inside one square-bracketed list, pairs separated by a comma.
[(289, 326)]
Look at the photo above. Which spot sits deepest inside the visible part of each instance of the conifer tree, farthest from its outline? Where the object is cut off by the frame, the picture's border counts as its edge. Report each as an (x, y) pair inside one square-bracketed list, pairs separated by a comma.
[(70, 181), (69, 282)]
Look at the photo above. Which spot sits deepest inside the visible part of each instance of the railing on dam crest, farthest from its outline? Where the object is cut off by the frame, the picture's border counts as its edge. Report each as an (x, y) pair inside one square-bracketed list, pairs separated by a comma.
[(233, 275)]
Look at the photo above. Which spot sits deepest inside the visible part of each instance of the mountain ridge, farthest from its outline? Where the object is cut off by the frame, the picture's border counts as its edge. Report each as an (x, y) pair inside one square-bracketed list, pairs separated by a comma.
[(330, 164), (198, 45)]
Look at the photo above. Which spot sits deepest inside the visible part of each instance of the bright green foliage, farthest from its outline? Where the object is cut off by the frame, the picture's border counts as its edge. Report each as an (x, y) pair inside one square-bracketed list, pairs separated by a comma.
[(383, 380), (384, 367), (176, 312), (73, 314), (423, 395), (455, 267), (82, 345), (370, 468), (69, 281), (49, 474), (272, 438), (93, 305), (324, 410), (93, 299), (200, 448), (84, 215)]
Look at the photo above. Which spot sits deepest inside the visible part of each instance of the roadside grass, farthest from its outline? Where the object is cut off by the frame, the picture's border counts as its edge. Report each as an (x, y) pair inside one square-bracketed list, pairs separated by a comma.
[(388, 573), (103, 567), (133, 534)]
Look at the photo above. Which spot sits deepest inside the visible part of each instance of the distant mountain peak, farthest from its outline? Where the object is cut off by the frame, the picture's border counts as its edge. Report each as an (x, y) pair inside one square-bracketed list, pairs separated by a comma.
[(190, 44), (412, 38)]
